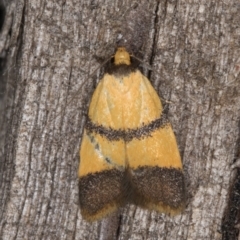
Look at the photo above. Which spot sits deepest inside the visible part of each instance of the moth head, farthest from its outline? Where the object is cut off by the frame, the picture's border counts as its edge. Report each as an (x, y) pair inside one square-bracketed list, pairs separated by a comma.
[(122, 56)]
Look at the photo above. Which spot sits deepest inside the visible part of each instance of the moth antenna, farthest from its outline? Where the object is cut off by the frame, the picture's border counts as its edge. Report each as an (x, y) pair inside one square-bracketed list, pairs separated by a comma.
[(80, 88), (144, 63)]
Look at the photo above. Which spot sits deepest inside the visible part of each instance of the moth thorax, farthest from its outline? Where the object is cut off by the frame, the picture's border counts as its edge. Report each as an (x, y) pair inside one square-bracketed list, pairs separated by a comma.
[(122, 56)]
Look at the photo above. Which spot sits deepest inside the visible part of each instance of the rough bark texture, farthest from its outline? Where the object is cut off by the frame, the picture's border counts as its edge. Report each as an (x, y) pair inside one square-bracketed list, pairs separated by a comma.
[(52, 47)]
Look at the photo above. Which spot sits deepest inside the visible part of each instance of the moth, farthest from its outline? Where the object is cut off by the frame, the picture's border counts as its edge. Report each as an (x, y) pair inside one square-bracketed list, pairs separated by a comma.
[(128, 152)]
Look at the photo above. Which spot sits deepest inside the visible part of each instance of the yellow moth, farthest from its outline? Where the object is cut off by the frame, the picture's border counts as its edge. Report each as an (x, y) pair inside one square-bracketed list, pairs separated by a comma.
[(128, 152)]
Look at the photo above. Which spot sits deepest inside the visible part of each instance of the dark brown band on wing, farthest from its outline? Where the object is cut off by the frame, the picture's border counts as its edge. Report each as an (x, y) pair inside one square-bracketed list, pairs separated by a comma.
[(128, 134), (162, 189), (160, 186), (99, 191)]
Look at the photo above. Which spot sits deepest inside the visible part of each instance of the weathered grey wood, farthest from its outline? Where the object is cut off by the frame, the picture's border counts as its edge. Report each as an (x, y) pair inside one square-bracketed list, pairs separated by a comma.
[(53, 46)]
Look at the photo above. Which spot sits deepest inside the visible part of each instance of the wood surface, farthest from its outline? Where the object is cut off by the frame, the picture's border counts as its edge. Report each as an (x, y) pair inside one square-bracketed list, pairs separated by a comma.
[(50, 50)]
